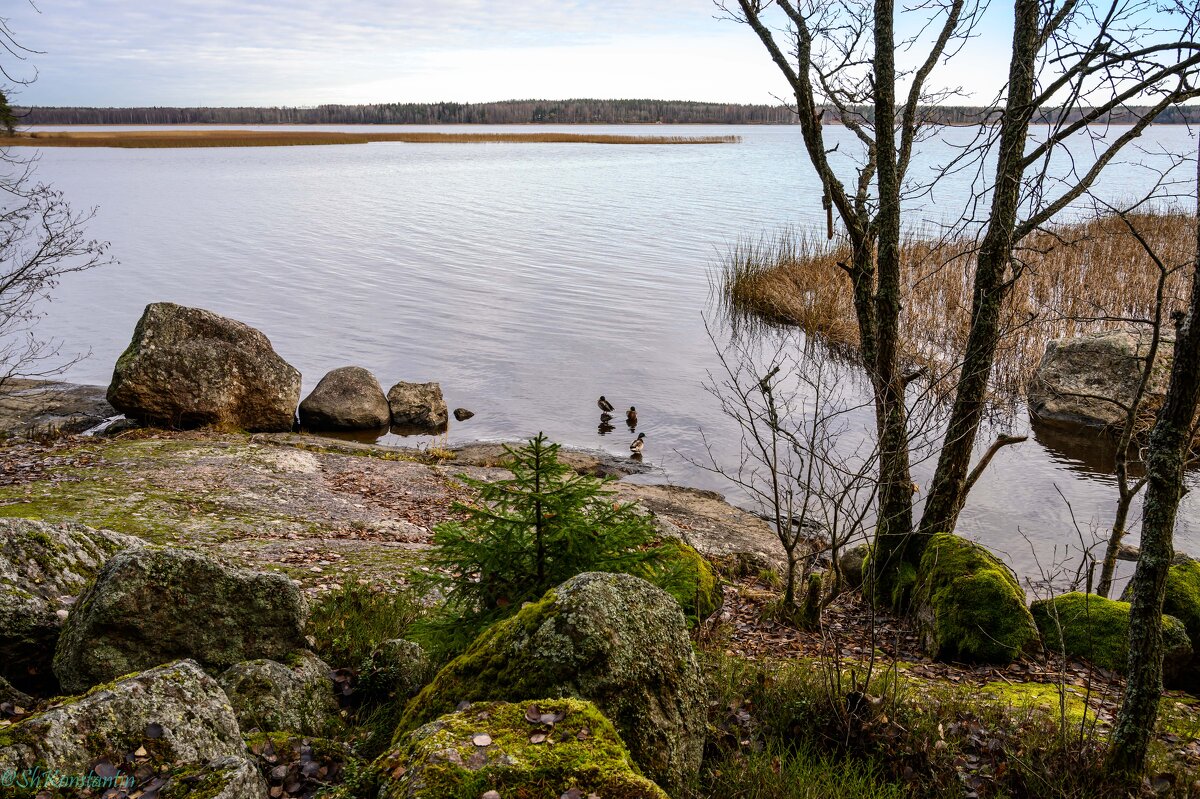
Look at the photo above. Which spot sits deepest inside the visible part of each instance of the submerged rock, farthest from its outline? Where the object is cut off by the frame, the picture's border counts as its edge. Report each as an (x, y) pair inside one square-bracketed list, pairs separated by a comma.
[(613, 639), (187, 367), (176, 712), (418, 407), (969, 605), (462, 414), (42, 569), (152, 605), (1084, 382), (1097, 629), (545, 748), (275, 697), (349, 398)]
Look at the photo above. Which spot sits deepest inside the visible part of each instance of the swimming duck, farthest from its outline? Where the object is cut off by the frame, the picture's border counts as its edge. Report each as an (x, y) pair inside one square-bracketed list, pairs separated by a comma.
[(631, 416), (638, 443), (604, 405)]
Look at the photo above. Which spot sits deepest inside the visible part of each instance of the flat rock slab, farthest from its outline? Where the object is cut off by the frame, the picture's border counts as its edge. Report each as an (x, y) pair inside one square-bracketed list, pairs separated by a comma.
[(33, 406)]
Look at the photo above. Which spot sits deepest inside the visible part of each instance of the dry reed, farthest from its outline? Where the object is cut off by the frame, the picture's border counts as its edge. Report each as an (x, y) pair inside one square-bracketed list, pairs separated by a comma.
[(1079, 279), (269, 138)]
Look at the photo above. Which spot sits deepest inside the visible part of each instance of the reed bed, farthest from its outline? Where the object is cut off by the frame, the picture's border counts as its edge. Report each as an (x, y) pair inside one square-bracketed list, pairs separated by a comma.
[(1079, 279), (267, 138)]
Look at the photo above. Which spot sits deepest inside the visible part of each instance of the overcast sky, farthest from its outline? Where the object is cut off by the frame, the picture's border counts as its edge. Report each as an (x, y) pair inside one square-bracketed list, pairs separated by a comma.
[(306, 52)]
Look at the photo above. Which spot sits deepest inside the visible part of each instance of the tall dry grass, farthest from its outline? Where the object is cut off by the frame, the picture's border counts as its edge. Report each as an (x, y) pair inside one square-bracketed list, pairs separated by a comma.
[(1079, 278), (268, 138)]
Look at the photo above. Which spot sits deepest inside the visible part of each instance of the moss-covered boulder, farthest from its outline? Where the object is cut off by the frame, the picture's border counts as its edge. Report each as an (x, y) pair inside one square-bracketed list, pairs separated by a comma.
[(613, 639), (43, 567), (152, 605), (396, 670), (542, 748), (968, 604), (1097, 629), (188, 367), (689, 578), (225, 778), (176, 713), (1183, 602), (296, 696)]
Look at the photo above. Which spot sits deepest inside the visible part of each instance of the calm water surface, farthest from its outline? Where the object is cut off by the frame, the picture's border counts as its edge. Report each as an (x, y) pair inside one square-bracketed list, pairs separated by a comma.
[(527, 279)]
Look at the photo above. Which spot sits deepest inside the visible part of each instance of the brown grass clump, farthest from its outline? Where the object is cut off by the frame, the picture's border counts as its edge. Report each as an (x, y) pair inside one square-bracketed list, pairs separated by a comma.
[(1079, 279), (269, 138)]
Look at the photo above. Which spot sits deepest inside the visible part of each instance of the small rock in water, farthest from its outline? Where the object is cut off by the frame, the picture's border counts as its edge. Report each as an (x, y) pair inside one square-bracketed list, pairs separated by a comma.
[(462, 414)]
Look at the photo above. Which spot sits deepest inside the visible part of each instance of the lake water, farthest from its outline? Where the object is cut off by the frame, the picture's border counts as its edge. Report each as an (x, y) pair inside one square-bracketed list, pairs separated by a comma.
[(528, 279)]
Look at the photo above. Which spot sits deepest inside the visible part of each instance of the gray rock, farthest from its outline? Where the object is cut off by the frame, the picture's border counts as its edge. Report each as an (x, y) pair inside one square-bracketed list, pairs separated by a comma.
[(37, 406), (43, 567), (418, 407), (176, 711), (1084, 382), (349, 398), (12, 696), (187, 367), (612, 639), (462, 414), (226, 778), (152, 605), (497, 744), (273, 697), (851, 564)]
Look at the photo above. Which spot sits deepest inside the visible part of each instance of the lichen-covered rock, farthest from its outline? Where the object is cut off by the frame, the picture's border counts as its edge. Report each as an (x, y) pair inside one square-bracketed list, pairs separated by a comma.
[(187, 367), (418, 407), (43, 567), (176, 712), (1097, 629), (349, 398), (152, 605), (225, 778), (1083, 382), (396, 670), (690, 579), (540, 748), (296, 696), (613, 639), (968, 603)]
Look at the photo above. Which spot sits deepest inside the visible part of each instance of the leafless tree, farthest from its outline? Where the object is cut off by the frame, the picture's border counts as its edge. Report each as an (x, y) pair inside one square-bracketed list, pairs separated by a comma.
[(846, 63)]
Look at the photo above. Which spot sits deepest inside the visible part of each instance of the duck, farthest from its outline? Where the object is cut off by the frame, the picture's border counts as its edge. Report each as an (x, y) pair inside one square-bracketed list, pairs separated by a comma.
[(604, 405), (638, 443), (631, 417)]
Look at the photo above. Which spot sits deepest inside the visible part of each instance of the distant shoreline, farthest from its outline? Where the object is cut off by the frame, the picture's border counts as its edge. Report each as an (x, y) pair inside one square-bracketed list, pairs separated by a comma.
[(261, 138)]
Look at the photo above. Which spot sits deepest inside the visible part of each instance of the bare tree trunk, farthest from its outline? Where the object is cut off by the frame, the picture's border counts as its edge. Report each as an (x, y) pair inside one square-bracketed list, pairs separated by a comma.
[(1170, 441), (948, 491)]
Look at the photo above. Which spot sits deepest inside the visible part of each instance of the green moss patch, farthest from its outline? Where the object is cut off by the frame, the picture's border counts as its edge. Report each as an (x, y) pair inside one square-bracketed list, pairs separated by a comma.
[(969, 604)]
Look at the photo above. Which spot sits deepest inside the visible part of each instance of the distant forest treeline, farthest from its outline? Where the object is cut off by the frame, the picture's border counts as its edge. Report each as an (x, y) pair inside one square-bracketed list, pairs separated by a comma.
[(508, 112)]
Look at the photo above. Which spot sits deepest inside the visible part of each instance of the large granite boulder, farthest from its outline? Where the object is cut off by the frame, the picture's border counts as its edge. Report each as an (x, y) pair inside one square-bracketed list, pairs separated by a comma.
[(349, 398), (43, 567), (418, 407), (612, 639), (1086, 382), (176, 713), (968, 604), (296, 696), (1097, 629), (152, 605), (187, 367), (551, 747)]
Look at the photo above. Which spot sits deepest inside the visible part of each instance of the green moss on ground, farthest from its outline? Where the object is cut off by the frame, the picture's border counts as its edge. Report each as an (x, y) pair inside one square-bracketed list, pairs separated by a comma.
[(969, 604), (1097, 629)]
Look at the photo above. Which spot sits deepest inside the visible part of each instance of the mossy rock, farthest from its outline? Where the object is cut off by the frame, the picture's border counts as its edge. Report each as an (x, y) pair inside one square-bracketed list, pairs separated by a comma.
[(1097, 629), (232, 777), (296, 696), (969, 605), (1183, 602), (690, 579), (853, 565), (43, 566), (495, 746), (152, 605), (612, 639)]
